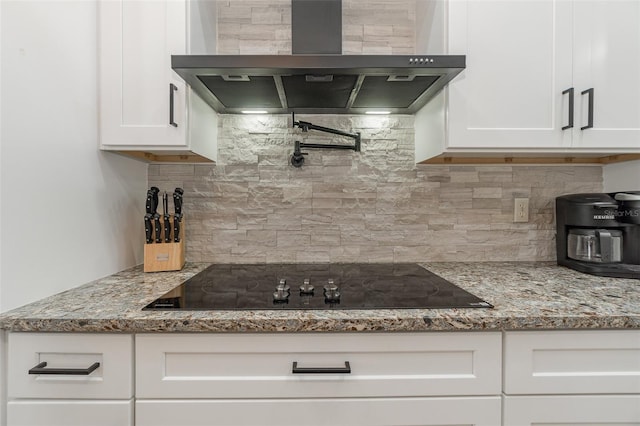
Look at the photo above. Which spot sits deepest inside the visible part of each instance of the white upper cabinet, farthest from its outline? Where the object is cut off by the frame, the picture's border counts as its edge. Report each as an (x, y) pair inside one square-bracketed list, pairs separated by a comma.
[(607, 60), (518, 64), (144, 104), (530, 65)]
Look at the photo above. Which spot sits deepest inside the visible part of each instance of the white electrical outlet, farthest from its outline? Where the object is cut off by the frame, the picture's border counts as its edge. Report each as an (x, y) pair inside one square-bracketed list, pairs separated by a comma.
[(521, 210)]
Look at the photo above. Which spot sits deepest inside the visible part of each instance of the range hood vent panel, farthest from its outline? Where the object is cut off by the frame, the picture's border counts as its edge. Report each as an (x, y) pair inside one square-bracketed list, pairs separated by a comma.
[(281, 84), (302, 93), (257, 91), (379, 92)]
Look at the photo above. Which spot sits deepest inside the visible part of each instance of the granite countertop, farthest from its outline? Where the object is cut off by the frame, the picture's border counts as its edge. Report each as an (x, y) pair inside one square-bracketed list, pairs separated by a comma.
[(525, 295)]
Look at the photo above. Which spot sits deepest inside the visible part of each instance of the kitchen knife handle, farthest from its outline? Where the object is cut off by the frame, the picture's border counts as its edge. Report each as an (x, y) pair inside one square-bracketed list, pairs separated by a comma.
[(570, 92), (167, 229), (156, 224), (590, 111), (154, 195), (149, 203), (177, 203), (147, 228), (322, 370), (40, 369), (176, 228), (172, 88)]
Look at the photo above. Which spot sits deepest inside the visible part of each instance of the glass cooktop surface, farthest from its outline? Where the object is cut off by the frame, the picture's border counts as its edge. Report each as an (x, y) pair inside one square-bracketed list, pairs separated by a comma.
[(316, 286)]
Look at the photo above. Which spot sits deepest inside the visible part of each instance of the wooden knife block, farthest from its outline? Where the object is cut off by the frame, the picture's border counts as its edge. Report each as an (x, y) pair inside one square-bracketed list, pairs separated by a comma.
[(165, 256)]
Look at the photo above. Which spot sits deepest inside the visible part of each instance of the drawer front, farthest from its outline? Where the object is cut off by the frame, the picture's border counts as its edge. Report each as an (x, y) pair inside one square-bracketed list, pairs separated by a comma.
[(572, 362), (578, 410), (261, 365), (70, 413), (480, 411), (113, 379)]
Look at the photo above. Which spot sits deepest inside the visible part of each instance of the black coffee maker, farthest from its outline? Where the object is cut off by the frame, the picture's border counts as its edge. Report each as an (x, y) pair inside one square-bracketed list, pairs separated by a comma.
[(599, 233)]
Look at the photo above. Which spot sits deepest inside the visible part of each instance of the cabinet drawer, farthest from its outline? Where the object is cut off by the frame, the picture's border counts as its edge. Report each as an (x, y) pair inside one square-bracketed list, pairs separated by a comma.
[(579, 410), (113, 379), (576, 362), (481, 411), (70, 413), (261, 365)]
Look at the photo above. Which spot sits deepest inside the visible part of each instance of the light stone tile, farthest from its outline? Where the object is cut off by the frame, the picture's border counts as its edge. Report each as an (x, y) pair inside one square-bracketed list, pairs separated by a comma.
[(314, 255), (225, 239), (330, 238), (265, 238), (487, 203), (378, 254), (221, 221), (487, 192), (293, 239), (281, 256), (382, 31), (266, 15), (345, 253), (352, 47), (465, 177)]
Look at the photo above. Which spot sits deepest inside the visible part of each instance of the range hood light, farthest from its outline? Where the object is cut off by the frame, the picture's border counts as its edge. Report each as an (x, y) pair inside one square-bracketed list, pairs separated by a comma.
[(254, 112), (377, 112)]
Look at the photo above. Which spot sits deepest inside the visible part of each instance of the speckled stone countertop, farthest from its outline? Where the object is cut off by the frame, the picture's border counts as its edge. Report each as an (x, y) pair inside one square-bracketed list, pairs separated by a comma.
[(525, 296)]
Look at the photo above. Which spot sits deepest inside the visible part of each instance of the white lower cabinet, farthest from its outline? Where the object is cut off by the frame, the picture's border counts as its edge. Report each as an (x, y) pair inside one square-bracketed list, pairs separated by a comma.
[(600, 410), (319, 379), (480, 411), (572, 362), (572, 378), (513, 378), (70, 413), (69, 379)]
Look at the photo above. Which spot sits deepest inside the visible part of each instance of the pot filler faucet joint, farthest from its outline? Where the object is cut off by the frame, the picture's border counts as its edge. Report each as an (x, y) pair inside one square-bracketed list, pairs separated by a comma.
[(297, 159)]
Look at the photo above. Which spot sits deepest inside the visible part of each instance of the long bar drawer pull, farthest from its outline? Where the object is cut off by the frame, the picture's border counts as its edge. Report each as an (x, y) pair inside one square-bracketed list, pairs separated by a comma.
[(322, 370), (40, 369)]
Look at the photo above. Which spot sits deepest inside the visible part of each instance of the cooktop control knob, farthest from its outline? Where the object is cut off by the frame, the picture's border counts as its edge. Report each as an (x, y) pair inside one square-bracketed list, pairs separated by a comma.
[(306, 288), (282, 292), (331, 293)]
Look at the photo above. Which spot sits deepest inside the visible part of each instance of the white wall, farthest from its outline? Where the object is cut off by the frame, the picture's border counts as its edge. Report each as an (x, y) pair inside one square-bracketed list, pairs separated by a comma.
[(622, 176), (69, 213)]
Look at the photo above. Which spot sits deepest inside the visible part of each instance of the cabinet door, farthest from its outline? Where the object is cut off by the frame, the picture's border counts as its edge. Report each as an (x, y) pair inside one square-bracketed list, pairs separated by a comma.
[(518, 65), (607, 60), (136, 41), (600, 410), (69, 413), (321, 412)]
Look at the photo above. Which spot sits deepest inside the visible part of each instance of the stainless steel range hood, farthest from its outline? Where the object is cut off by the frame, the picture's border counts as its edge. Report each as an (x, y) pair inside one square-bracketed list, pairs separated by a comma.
[(317, 81), (331, 84)]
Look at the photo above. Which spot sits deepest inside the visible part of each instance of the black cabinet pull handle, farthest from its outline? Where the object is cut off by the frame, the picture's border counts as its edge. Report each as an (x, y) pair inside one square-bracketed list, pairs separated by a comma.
[(590, 116), (318, 370), (172, 88), (40, 369), (570, 92)]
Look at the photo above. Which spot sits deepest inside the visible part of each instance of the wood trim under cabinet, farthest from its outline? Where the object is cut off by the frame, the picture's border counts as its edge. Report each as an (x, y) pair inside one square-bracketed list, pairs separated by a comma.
[(165, 158), (607, 159)]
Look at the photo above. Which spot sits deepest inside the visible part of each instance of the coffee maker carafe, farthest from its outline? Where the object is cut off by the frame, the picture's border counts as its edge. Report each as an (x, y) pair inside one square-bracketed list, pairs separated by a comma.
[(599, 233)]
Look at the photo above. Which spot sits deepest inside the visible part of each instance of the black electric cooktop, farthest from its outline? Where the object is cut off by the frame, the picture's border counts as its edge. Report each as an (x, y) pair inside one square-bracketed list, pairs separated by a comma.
[(316, 286)]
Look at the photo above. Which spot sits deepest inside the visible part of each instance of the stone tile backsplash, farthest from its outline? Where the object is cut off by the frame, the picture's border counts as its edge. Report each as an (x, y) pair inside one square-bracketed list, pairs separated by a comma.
[(341, 206), (372, 206)]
